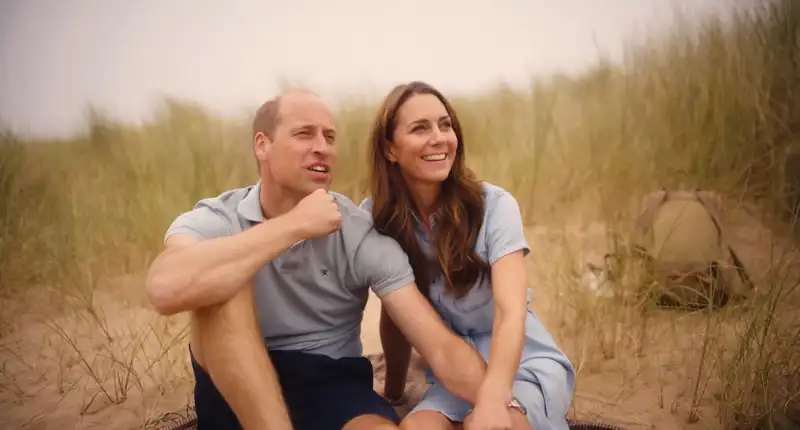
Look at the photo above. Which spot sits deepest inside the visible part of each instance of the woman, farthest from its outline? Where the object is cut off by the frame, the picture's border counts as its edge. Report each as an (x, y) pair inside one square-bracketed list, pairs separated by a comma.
[(465, 242)]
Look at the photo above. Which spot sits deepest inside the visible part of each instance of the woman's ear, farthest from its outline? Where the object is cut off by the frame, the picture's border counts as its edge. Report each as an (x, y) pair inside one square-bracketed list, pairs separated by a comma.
[(389, 151)]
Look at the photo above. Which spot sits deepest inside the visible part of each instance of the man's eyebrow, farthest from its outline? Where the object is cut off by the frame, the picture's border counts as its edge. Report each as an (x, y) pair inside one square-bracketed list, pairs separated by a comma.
[(311, 127), (302, 127)]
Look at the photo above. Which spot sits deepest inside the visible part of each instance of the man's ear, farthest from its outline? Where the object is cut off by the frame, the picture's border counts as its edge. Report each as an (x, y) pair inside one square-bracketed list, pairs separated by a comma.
[(261, 146)]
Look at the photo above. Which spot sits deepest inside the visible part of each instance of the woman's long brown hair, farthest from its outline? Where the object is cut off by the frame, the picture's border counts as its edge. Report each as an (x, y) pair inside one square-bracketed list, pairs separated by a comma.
[(460, 205)]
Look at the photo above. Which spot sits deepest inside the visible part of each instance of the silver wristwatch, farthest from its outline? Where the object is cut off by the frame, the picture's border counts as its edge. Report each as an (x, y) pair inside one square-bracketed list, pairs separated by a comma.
[(515, 404)]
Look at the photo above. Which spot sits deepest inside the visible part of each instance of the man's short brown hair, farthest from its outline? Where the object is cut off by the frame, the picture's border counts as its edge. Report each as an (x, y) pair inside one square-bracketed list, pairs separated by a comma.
[(266, 120), (268, 115)]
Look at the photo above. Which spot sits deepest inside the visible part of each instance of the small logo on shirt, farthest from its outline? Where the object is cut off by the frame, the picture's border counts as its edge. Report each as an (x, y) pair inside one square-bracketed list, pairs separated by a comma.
[(324, 272)]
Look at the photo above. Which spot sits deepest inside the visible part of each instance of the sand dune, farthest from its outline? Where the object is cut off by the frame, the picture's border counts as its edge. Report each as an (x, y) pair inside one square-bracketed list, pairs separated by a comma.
[(95, 369)]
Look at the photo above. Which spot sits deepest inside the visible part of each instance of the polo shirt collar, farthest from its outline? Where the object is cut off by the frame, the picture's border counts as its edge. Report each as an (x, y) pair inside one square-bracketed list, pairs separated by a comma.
[(250, 206), (432, 220)]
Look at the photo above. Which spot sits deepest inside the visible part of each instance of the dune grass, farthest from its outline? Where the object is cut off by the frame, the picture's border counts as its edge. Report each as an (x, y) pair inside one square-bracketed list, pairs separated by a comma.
[(716, 107)]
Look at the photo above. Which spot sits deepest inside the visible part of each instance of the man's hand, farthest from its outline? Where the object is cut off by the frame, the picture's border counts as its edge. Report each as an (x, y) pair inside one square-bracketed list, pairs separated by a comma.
[(494, 416), (316, 215), (491, 412), (458, 366)]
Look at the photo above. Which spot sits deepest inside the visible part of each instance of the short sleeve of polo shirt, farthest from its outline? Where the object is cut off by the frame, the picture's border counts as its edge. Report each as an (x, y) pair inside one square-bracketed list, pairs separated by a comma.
[(202, 223), (505, 233), (380, 262)]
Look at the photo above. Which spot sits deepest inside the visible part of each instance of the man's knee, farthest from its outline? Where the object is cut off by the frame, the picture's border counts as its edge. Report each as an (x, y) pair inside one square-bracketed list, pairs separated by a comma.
[(369, 422), (239, 311), (226, 322)]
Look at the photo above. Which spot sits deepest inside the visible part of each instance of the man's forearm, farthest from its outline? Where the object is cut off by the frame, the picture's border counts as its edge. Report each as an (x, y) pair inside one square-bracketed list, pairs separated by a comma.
[(211, 272), (460, 368), (397, 355), (454, 362)]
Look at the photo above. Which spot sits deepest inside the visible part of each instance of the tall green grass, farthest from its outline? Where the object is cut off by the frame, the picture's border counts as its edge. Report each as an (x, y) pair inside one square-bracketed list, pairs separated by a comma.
[(714, 106)]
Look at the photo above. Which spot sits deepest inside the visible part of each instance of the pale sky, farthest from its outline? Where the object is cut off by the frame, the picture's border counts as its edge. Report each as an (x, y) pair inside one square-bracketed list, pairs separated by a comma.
[(58, 56)]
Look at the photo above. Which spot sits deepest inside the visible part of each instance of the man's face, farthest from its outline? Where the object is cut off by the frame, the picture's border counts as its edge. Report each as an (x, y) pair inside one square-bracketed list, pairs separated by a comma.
[(302, 156)]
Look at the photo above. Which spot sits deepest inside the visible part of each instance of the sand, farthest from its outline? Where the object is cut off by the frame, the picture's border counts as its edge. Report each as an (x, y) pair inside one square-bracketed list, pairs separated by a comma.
[(90, 369)]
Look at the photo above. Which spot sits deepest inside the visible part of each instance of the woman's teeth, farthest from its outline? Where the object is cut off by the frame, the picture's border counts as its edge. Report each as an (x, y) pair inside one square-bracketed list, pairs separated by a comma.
[(436, 157)]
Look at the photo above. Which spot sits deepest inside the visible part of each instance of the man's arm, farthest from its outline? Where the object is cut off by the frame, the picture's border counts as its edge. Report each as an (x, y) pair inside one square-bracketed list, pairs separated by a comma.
[(458, 366), (191, 274), (396, 349), (225, 336), (381, 263)]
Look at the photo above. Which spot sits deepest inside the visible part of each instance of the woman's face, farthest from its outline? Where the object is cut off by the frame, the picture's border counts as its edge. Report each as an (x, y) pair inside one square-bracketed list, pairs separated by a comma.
[(424, 144)]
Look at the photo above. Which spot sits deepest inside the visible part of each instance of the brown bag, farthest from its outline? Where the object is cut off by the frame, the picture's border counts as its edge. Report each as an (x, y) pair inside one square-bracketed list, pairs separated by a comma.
[(688, 257)]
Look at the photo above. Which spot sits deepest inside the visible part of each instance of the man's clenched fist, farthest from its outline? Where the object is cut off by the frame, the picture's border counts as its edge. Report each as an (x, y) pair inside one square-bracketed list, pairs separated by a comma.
[(316, 215)]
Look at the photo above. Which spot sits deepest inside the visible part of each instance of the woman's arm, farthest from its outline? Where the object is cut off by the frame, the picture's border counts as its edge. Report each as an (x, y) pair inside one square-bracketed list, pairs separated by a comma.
[(508, 331), (506, 251), (397, 354)]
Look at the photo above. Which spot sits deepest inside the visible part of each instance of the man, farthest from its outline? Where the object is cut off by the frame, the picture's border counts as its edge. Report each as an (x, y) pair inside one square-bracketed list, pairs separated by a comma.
[(288, 264)]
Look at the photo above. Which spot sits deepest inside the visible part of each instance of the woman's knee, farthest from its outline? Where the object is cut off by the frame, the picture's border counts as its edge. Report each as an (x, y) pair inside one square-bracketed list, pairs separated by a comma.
[(369, 422), (428, 420)]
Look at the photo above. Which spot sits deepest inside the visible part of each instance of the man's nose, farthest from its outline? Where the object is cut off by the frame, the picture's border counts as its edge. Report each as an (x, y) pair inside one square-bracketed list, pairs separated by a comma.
[(321, 145)]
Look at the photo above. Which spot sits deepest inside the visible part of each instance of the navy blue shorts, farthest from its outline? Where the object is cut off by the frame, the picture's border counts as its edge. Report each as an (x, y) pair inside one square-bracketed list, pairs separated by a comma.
[(320, 392)]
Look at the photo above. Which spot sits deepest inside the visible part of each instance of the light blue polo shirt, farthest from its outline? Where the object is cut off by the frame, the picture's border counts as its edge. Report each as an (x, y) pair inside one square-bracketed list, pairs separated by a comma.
[(312, 297), (544, 371), (501, 233)]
